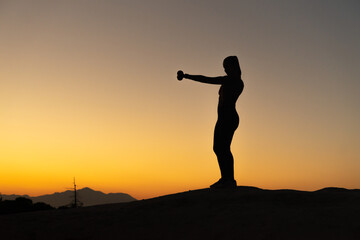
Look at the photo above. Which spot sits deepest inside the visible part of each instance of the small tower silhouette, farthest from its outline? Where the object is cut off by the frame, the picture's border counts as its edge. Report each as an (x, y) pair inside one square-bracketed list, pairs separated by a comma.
[(75, 198), (75, 203)]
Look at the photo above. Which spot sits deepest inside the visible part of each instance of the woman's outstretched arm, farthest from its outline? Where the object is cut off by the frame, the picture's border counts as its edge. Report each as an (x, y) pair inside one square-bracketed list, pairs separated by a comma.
[(204, 79), (200, 78)]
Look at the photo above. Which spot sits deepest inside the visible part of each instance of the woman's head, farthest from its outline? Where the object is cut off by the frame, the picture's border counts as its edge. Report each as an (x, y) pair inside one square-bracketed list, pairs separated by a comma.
[(232, 66)]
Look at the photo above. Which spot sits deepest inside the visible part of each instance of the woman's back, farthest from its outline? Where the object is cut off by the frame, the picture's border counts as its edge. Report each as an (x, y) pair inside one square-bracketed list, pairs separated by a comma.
[(229, 92)]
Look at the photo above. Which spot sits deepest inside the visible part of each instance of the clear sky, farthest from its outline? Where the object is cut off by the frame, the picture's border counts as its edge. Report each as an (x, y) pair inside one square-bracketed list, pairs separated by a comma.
[(88, 89)]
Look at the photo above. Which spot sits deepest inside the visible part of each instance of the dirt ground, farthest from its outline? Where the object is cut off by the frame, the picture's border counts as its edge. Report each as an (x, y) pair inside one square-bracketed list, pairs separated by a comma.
[(242, 213)]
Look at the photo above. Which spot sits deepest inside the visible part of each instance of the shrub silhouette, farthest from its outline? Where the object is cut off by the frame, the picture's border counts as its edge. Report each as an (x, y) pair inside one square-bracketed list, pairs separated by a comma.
[(22, 204)]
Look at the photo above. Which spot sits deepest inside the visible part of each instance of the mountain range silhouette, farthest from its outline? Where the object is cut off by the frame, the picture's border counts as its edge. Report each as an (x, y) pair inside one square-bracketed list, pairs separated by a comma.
[(87, 196)]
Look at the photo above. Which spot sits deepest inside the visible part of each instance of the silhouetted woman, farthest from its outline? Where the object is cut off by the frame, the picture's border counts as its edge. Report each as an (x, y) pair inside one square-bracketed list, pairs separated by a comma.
[(228, 119)]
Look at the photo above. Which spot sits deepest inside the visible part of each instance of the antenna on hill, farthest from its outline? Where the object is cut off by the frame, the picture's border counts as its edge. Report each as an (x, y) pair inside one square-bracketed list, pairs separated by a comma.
[(75, 203), (75, 198)]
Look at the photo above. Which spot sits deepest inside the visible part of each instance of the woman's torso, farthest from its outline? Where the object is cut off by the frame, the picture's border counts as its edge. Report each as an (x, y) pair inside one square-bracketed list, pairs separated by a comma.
[(229, 92)]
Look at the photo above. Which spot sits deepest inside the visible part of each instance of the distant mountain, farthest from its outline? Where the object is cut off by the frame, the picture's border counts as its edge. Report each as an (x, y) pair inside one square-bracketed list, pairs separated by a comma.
[(86, 195)]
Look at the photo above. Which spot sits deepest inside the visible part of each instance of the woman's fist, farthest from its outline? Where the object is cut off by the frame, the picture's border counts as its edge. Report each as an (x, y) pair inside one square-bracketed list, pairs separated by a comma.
[(180, 75)]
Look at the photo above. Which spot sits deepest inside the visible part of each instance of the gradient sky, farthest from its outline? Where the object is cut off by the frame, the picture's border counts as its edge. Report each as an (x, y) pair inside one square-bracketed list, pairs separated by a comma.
[(88, 89)]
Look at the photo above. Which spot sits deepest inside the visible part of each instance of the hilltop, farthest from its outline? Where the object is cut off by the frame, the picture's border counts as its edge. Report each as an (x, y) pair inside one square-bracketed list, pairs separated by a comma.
[(242, 213)]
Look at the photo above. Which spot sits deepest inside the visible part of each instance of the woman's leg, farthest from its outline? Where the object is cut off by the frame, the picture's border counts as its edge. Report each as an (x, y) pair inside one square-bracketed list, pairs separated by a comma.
[(223, 135)]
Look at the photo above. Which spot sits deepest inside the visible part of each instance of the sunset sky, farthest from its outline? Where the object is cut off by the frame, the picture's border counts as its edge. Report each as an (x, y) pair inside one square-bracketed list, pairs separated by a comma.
[(88, 89)]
